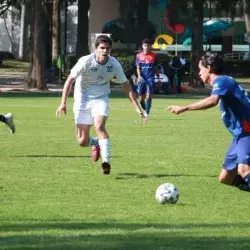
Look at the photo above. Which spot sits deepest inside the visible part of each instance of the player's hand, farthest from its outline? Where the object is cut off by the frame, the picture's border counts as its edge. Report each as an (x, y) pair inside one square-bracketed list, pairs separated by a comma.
[(61, 108), (176, 109), (139, 79), (143, 117)]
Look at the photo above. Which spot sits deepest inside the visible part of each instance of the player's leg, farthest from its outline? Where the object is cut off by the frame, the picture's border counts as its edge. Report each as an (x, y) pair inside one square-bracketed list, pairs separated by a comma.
[(100, 113), (84, 121), (149, 91), (141, 93), (243, 147), (229, 174), (8, 120), (82, 133), (104, 142)]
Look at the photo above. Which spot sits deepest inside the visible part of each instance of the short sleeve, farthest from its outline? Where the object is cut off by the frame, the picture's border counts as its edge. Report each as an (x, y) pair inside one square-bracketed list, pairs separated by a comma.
[(119, 74), (78, 68), (219, 88)]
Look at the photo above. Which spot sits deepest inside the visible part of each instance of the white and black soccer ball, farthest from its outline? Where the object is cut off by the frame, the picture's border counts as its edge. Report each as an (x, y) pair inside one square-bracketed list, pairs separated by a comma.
[(167, 193)]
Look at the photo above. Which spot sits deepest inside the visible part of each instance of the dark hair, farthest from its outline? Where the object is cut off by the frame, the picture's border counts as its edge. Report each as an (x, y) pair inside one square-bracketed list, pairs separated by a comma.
[(103, 39), (147, 41), (214, 60)]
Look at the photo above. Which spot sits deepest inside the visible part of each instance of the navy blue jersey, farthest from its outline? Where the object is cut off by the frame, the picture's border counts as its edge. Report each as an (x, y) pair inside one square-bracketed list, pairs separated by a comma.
[(234, 105)]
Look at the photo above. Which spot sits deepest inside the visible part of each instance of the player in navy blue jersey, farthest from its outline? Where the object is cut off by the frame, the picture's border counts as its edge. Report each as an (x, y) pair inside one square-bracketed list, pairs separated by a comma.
[(234, 104), (146, 69)]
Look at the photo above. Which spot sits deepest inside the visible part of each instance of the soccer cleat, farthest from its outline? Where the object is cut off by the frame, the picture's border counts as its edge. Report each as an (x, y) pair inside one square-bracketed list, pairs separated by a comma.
[(95, 153), (10, 123), (106, 168)]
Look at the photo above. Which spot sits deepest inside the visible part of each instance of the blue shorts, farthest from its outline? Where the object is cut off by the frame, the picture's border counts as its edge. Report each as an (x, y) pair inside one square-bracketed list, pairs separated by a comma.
[(238, 152), (145, 87)]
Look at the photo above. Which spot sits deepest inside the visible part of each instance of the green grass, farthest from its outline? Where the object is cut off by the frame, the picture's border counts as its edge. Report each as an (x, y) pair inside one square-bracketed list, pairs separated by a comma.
[(53, 197), (13, 66), (243, 80)]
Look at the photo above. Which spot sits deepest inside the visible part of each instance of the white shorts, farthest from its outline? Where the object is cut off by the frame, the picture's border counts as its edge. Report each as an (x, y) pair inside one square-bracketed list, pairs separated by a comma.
[(85, 113)]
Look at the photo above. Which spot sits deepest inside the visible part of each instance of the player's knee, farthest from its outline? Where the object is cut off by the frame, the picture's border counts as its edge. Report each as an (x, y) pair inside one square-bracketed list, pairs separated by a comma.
[(99, 128), (222, 179), (243, 169), (225, 180)]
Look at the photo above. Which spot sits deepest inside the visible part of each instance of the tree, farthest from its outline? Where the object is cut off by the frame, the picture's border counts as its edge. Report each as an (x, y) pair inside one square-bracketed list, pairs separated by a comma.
[(36, 71), (246, 12), (82, 28), (56, 30), (197, 42), (22, 31)]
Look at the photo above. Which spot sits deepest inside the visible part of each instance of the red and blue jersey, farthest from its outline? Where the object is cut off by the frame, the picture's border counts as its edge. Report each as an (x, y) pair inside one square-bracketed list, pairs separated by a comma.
[(147, 64), (234, 105)]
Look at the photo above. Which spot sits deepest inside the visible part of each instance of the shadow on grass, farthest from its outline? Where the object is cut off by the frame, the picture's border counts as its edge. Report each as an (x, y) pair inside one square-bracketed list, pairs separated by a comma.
[(113, 236), (123, 176), (114, 94), (51, 156)]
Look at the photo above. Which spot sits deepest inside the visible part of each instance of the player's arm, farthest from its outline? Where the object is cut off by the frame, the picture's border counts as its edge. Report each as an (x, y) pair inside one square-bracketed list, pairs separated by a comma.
[(138, 71), (206, 103), (65, 93), (128, 90)]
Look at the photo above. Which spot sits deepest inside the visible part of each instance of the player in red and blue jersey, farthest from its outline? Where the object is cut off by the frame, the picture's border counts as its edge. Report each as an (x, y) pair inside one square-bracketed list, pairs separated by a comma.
[(234, 104), (146, 69)]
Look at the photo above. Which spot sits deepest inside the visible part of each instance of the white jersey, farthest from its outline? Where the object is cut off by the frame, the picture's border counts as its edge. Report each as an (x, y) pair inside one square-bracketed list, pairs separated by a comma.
[(93, 79)]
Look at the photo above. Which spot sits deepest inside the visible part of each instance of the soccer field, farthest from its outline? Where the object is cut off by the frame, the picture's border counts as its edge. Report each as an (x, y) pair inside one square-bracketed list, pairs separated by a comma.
[(53, 197)]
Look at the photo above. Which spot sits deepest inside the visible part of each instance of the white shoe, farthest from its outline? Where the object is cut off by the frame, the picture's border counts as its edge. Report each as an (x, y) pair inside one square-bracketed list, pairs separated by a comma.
[(10, 123)]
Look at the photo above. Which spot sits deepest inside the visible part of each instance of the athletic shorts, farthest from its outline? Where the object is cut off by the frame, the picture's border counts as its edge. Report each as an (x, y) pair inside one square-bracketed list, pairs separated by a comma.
[(85, 113), (145, 87), (238, 153)]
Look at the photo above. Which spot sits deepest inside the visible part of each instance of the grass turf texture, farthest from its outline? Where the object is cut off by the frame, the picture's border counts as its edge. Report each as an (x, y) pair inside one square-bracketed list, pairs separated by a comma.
[(53, 197)]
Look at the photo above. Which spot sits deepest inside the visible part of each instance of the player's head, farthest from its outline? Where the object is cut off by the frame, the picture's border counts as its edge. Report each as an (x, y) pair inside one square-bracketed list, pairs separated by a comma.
[(103, 45), (146, 45), (211, 63), (103, 39)]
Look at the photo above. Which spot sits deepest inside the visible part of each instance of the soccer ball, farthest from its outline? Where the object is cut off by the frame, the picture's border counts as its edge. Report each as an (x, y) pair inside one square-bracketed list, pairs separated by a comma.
[(167, 193)]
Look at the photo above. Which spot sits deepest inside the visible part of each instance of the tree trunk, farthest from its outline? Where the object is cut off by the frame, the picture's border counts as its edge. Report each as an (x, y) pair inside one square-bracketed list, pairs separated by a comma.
[(22, 31), (36, 72), (142, 22), (246, 11), (56, 30), (197, 43), (82, 28)]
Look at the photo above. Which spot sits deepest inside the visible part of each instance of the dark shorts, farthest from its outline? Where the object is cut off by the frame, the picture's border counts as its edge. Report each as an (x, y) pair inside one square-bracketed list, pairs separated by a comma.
[(238, 152), (145, 87)]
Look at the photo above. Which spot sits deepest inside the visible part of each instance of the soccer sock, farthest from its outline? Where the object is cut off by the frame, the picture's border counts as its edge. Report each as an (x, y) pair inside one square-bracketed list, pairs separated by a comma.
[(148, 105), (143, 105), (240, 183), (2, 118), (93, 141), (105, 149)]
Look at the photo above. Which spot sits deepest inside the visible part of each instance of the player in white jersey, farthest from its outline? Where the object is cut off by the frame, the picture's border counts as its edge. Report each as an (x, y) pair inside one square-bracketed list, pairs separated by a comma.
[(92, 75)]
